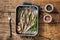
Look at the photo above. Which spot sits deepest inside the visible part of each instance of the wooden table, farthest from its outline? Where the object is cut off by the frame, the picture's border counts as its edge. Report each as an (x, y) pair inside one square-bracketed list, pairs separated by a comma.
[(45, 31)]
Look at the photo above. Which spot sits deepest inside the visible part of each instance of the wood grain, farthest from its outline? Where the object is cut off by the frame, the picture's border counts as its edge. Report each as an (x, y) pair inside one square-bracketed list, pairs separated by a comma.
[(45, 31)]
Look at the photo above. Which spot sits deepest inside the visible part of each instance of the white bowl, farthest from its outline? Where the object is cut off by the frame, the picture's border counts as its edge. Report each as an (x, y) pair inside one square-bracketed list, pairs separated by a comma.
[(48, 20), (52, 8)]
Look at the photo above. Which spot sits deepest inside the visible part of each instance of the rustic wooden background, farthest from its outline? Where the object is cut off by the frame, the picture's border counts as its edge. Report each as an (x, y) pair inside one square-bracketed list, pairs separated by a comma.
[(49, 31)]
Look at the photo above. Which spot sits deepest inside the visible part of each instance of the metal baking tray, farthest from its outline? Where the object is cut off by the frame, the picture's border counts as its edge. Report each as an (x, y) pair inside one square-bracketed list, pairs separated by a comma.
[(27, 20)]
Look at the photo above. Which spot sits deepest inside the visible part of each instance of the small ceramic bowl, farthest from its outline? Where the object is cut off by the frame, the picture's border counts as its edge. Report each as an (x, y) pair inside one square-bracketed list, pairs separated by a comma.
[(49, 8), (47, 18)]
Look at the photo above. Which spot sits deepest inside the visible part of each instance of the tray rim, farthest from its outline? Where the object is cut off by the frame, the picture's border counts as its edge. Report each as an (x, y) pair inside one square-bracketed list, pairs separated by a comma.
[(37, 21)]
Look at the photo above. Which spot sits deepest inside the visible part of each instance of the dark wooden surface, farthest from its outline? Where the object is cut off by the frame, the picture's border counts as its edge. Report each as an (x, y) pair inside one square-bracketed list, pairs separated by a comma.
[(45, 31)]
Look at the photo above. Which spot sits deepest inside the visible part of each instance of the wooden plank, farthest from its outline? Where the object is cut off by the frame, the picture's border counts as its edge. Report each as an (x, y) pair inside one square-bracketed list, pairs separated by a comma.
[(51, 31)]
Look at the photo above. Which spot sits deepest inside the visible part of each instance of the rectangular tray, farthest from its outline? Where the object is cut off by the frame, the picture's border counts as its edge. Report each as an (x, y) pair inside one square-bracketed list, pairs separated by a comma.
[(27, 20)]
